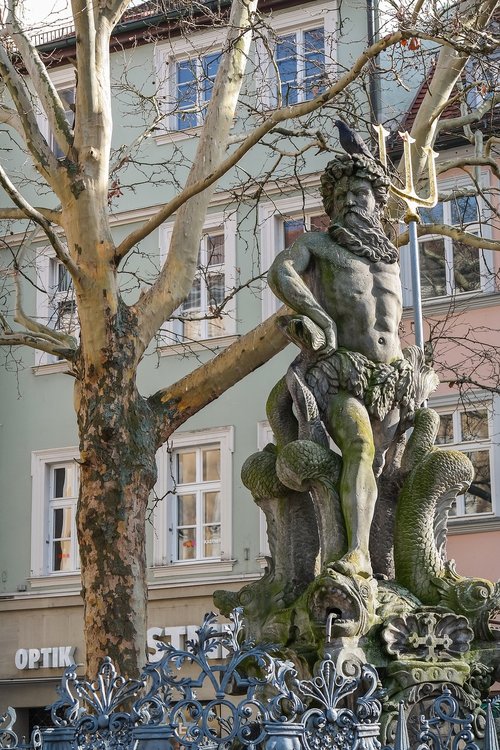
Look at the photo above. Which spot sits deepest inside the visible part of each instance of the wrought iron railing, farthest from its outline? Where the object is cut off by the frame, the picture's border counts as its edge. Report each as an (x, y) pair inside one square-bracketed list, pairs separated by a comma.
[(252, 699)]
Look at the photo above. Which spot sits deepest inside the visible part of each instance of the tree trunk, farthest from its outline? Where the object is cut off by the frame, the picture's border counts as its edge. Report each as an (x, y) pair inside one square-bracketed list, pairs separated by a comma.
[(118, 441)]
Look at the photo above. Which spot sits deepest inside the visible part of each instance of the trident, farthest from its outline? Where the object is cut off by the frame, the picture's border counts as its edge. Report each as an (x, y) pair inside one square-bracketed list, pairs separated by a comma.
[(411, 218)]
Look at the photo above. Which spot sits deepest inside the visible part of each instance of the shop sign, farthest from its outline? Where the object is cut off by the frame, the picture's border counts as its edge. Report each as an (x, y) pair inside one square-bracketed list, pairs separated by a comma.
[(63, 656), (47, 658), (177, 636)]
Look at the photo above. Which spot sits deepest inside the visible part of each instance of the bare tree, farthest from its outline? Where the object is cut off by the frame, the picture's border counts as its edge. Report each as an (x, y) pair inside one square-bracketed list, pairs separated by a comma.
[(120, 429)]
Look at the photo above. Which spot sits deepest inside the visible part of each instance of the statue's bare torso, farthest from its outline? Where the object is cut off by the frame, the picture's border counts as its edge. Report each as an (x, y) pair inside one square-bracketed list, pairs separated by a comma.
[(362, 298)]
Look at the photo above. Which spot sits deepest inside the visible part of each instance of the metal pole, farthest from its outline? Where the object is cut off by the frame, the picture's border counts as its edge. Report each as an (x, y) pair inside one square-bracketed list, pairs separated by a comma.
[(415, 283)]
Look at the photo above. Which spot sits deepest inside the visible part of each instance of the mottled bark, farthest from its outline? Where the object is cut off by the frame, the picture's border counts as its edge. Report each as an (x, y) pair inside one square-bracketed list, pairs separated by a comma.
[(118, 441)]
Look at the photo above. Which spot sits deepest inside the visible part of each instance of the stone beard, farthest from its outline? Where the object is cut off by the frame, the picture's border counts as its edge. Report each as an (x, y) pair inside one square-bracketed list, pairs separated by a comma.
[(364, 236)]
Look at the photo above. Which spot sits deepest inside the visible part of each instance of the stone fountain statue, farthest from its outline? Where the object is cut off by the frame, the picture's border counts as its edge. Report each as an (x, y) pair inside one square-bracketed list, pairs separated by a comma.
[(357, 533)]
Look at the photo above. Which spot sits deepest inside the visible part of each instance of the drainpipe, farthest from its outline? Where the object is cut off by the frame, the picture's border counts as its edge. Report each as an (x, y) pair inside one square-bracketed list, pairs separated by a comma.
[(374, 90)]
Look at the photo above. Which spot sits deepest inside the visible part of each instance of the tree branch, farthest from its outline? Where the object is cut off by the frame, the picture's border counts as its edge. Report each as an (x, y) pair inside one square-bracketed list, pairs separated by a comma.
[(16, 213), (492, 141), (469, 161), (112, 10), (448, 70), (476, 115), (93, 125), (473, 240), (175, 404), (86, 36), (23, 338), (43, 159), (286, 113), (176, 277), (10, 117), (31, 213), (45, 89)]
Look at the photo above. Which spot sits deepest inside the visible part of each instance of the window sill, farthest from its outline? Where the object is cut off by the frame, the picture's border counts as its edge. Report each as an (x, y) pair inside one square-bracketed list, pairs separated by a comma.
[(57, 583), (186, 571), (48, 369), (473, 524), (207, 345), (457, 303), (171, 136)]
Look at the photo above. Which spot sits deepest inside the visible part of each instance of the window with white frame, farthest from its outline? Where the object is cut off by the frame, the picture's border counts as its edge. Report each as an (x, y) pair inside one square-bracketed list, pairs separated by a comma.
[(187, 70), (449, 267), (196, 512), (469, 430), (300, 65), (281, 224), (67, 95), (204, 314), (55, 299), (193, 520), (295, 58), (54, 547), (194, 81), (65, 84)]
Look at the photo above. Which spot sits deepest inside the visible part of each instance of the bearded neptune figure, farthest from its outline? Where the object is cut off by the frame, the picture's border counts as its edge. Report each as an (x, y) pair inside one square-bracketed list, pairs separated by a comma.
[(357, 529), (345, 286)]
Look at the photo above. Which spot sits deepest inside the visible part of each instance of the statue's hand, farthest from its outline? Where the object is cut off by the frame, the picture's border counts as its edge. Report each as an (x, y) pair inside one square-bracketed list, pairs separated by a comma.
[(330, 334), (302, 331), (308, 335)]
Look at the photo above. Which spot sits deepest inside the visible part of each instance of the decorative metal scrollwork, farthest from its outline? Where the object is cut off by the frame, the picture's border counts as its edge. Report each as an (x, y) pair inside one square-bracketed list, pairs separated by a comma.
[(90, 708), (444, 729), (251, 699), (8, 738)]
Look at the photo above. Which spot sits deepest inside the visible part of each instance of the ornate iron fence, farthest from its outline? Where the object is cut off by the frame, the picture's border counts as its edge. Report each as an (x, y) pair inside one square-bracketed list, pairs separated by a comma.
[(257, 701)]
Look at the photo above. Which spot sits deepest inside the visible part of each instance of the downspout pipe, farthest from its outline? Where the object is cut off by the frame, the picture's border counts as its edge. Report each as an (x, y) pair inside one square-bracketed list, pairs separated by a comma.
[(373, 88)]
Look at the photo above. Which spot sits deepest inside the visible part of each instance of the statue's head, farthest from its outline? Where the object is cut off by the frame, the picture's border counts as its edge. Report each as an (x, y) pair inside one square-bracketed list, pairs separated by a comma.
[(348, 176), (354, 189)]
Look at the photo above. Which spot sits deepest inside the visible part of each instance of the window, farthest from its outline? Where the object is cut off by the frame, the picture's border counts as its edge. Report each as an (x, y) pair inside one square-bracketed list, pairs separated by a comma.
[(64, 80), (54, 548), (196, 513), (63, 487), (55, 300), (292, 228), (300, 65), (296, 58), (202, 315), (62, 303), (281, 223), (468, 430), (207, 293), (187, 70), (67, 96), (193, 519), (449, 267), (194, 80)]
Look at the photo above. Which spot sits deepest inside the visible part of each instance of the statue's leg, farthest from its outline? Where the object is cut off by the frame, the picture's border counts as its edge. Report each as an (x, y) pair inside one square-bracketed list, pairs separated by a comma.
[(350, 428)]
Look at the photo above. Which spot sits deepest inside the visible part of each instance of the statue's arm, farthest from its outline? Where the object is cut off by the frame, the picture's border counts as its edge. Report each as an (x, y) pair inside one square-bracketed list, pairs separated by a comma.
[(285, 279)]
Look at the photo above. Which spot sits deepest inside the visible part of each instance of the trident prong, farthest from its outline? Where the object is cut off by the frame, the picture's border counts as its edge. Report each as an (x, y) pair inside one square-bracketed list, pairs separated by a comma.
[(382, 135), (409, 195), (412, 201)]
